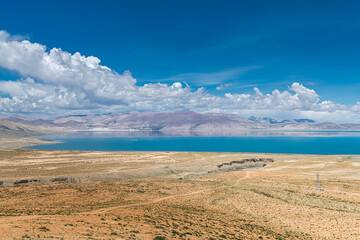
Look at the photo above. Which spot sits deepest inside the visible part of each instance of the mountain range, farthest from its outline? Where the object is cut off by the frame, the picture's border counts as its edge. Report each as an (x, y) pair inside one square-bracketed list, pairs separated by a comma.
[(167, 122), (10, 128)]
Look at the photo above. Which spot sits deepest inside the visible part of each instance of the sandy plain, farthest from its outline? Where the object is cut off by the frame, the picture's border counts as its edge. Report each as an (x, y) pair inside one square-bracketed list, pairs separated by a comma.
[(177, 195), (16, 142)]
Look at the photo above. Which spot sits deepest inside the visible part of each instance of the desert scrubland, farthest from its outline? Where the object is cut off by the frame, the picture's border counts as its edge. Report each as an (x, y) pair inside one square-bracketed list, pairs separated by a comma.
[(177, 195)]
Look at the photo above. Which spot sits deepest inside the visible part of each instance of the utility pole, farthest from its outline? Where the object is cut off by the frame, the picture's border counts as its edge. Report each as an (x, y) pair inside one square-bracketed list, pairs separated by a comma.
[(318, 184)]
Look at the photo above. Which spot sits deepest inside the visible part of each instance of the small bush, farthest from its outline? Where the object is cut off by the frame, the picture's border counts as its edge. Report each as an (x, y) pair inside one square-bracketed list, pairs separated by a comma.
[(44, 229), (160, 238)]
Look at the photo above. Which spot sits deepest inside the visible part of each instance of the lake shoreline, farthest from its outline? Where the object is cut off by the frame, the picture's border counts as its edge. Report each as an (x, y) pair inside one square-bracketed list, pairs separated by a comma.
[(323, 145), (16, 142), (217, 144)]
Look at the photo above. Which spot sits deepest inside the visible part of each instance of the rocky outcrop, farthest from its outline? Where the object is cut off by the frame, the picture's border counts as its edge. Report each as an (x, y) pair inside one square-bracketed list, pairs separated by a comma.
[(37, 181), (63, 180), (245, 161)]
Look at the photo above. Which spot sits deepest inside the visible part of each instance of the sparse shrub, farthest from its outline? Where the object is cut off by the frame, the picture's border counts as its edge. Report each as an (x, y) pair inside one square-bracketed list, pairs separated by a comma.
[(44, 229), (160, 238)]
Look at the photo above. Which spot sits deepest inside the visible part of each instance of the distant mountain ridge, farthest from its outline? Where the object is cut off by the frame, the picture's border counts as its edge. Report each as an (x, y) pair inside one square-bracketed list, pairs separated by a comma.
[(177, 121), (13, 128)]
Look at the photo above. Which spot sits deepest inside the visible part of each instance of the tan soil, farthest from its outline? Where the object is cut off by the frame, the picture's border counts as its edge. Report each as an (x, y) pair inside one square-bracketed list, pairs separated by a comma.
[(14, 142), (275, 202)]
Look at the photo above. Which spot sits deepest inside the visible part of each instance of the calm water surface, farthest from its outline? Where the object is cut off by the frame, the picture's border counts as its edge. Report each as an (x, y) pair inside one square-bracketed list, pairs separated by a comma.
[(347, 143)]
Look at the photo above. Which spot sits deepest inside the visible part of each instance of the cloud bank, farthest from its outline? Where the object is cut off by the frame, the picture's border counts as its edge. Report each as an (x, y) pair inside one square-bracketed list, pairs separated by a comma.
[(56, 82)]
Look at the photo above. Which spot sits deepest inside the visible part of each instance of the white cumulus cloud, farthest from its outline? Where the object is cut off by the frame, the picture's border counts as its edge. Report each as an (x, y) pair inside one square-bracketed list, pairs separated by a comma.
[(56, 82)]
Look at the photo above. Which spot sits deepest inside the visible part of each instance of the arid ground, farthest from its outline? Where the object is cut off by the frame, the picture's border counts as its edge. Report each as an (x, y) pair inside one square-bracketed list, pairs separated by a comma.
[(16, 142), (170, 195)]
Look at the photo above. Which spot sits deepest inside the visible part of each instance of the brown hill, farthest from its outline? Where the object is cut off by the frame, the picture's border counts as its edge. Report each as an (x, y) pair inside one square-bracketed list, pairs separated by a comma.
[(9, 128)]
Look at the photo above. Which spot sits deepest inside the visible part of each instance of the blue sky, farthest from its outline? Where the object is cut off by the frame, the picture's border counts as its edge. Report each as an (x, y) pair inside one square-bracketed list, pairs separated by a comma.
[(223, 46)]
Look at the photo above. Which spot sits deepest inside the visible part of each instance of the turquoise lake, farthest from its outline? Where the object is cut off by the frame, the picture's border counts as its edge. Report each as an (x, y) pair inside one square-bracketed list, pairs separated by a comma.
[(306, 143)]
